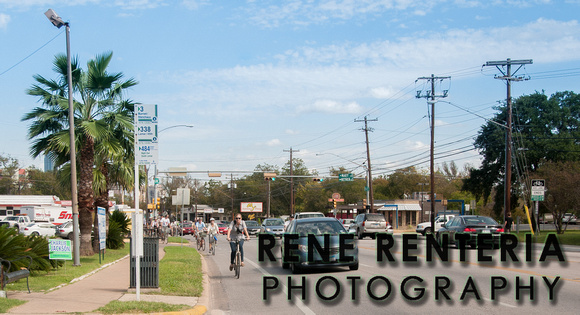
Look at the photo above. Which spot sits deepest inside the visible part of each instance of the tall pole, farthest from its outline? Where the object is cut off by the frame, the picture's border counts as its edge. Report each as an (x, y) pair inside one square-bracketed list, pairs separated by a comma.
[(366, 129), (58, 22), (508, 76), (431, 100), (73, 155), (291, 182)]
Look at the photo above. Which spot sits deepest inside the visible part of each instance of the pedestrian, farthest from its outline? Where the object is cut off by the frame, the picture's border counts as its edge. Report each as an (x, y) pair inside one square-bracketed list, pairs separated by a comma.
[(508, 223)]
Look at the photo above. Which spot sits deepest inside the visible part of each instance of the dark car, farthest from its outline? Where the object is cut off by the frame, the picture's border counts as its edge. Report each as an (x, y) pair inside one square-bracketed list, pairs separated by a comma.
[(187, 228), (318, 227), (253, 227), (473, 226), (273, 226)]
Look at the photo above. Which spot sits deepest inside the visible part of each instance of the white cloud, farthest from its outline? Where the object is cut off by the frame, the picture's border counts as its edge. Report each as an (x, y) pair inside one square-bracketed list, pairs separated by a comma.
[(331, 107), (4, 20), (273, 142)]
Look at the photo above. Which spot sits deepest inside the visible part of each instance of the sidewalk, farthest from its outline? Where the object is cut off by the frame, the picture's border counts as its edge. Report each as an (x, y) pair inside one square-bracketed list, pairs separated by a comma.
[(109, 283)]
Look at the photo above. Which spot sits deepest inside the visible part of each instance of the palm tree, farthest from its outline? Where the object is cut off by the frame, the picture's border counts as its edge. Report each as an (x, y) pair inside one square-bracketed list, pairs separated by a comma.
[(98, 99)]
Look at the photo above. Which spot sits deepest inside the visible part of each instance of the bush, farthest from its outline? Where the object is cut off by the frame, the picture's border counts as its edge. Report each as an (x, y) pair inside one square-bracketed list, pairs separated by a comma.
[(14, 245), (118, 228)]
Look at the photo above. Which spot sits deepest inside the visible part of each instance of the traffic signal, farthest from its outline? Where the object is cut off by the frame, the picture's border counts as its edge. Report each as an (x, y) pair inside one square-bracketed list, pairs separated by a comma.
[(269, 176), (318, 179), (158, 202)]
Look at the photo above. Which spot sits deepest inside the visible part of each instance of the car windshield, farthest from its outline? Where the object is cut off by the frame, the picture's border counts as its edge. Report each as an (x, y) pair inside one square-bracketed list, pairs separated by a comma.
[(479, 220), (273, 222), (252, 223), (187, 225), (10, 218), (319, 228), (222, 225), (375, 217)]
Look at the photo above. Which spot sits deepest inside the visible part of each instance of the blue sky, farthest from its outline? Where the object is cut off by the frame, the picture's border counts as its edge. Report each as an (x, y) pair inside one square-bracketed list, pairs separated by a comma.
[(256, 78)]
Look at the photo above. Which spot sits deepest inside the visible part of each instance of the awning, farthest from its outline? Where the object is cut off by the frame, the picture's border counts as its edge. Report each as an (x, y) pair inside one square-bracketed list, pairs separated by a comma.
[(401, 207)]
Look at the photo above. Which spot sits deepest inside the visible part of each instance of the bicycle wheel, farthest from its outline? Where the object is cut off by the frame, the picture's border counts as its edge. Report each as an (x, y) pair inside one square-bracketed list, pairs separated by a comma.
[(238, 264), (202, 244), (213, 249)]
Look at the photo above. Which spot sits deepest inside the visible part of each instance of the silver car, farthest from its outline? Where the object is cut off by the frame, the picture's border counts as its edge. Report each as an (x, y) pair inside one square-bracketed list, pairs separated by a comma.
[(369, 224), (65, 230)]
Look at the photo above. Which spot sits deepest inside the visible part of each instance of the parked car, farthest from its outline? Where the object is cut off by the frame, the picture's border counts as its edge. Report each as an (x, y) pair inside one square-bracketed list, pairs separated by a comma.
[(187, 228), (223, 228), (472, 225), (569, 218), (440, 220), (253, 227), (274, 226), (302, 215), (319, 227), (346, 223), (65, 230), (39, 229), (369, 224)]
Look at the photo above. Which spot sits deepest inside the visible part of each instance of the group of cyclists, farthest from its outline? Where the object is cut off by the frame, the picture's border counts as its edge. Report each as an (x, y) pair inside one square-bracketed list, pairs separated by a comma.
[(237, 233)]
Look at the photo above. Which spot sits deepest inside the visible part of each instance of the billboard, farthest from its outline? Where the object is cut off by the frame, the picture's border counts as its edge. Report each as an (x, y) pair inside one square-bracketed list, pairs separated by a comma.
[(250, 206)]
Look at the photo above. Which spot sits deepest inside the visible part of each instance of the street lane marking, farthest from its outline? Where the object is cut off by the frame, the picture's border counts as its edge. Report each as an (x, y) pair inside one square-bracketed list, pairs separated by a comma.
[(298, 303)]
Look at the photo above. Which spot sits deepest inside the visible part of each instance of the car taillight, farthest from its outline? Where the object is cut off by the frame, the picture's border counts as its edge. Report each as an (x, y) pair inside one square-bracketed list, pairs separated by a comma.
[(469, 230), (363, 224), (25, 229), (500, 230)]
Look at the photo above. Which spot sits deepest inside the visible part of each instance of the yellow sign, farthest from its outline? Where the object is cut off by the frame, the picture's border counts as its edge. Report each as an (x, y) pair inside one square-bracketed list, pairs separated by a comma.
[(252, 216)]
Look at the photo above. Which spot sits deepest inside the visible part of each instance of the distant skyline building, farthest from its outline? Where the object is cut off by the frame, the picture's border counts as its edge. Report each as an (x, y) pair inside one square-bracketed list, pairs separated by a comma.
[(49, 162)]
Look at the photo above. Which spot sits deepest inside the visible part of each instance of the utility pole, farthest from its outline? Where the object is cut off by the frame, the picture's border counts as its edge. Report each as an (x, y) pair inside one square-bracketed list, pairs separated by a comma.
[(508, 77), (366, 129), (291, 182), (431, 96)]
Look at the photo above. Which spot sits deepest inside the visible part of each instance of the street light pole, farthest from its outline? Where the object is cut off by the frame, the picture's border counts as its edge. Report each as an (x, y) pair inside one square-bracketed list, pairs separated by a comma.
[(58, 22), (155, 165)]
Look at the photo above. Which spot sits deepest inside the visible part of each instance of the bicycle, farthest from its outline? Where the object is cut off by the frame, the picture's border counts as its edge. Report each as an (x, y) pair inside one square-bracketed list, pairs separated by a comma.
[(201, 241), (213, 247), (237, 260)]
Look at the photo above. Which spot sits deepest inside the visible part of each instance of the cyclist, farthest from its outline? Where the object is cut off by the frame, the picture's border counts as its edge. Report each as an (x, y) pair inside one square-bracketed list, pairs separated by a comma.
[(212, 231), (236, 232), (165, 226), (200, 227)]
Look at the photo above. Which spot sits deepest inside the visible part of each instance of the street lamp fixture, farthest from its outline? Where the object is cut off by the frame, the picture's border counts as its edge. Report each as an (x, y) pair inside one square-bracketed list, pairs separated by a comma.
[(58, 22)]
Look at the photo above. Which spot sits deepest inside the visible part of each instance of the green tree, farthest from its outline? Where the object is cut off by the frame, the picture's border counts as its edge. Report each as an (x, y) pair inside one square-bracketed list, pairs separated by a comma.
[(97, 94), (8, 167), (544, 129), (563, 192)]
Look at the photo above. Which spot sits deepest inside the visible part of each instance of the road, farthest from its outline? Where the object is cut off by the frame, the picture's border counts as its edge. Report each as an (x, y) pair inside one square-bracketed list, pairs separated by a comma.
[(467, 284)]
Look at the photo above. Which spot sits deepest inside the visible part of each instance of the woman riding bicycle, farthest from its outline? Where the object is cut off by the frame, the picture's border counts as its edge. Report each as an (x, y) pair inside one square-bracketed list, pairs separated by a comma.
[(236, 232), (212, 231)]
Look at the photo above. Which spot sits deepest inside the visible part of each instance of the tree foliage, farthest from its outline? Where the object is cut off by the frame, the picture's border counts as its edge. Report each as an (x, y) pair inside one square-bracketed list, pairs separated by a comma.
[(544, 129)]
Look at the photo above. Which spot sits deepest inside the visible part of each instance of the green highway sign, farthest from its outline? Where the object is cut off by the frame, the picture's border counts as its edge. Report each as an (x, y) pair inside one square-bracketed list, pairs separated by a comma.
[(156, 181), (537, 197), (345, 177)]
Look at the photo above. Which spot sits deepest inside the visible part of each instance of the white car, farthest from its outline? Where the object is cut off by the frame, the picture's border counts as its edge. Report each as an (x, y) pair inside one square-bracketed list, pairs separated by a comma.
[(39, 229), (569, 218)]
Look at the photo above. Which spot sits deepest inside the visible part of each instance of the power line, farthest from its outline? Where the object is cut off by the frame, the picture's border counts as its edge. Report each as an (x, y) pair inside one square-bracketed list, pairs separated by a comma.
[(34, 52)]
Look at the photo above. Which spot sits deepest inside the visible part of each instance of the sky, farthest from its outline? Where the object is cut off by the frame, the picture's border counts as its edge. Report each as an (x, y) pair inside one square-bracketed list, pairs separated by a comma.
[(257, 79)]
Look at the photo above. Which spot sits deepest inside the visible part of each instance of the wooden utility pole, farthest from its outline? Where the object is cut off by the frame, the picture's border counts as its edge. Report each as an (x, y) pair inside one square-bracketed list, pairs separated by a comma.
[(366, 129), (291, 182), (508, 76), (431, 96)]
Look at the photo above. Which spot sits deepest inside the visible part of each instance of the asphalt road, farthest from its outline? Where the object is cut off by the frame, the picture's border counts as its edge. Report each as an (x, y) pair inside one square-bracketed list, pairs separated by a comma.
[(463, 287)]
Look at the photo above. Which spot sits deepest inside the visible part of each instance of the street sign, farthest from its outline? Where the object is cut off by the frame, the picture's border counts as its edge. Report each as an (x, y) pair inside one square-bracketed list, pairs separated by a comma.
[(146, 133), (156, 181), (538, 189), (102, 223), (345, 177), (336, 196)]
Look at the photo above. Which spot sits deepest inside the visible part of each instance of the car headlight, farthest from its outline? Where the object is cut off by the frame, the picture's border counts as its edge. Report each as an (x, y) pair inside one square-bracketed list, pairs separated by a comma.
[(269, 229)]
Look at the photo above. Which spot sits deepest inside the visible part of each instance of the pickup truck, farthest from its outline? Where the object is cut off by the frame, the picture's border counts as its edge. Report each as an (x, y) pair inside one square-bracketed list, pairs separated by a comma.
[(440, 220), (17, 221)]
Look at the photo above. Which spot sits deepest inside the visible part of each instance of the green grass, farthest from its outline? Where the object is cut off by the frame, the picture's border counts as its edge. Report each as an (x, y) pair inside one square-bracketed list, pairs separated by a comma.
[(180, 272), (8, 304), (177, 239), (140, 307), (570, 237)]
